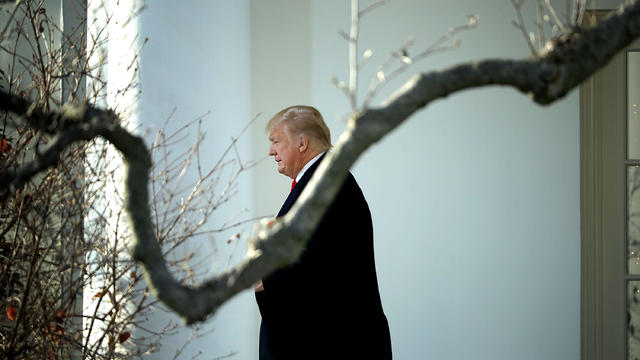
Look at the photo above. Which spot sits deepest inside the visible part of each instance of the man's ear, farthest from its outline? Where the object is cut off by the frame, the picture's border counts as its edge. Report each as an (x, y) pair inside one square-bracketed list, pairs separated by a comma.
[(303, 143)]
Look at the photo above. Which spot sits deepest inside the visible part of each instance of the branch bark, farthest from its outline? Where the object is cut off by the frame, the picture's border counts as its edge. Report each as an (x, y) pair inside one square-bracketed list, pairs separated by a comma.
[(565, 64)]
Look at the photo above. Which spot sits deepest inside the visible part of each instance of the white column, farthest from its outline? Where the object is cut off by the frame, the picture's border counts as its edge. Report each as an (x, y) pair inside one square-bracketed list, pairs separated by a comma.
[(197, 61), (112, 47)]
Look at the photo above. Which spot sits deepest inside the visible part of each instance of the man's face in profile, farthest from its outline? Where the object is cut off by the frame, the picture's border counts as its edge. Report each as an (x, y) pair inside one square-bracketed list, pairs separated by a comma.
[(284, 151)]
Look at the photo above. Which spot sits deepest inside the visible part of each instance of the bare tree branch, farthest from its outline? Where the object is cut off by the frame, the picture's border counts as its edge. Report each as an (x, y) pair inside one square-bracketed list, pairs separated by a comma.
[(540, 24), (553, 12), (517, 5), (371, 7), (353, 55), (545, 79), (448, 41)]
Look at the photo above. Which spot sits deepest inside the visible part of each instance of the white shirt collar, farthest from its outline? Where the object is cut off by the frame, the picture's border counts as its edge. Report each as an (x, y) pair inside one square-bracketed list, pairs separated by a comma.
[(307, 166)]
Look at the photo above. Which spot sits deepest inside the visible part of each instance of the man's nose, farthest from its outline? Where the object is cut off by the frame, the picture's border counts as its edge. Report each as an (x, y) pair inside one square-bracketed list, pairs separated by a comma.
[(271, 151)]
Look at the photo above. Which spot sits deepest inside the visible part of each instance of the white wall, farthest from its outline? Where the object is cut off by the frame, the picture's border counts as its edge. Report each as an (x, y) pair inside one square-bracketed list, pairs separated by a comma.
[(475, 200), (197, 59), (281, 76), (477, 249)]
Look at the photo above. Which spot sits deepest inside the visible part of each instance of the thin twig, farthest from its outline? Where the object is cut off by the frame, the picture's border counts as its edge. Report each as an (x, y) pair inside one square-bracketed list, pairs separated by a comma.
[(353, 56), (540, 23), (371, 7), (384, 75), (517, 5), (555, 16)]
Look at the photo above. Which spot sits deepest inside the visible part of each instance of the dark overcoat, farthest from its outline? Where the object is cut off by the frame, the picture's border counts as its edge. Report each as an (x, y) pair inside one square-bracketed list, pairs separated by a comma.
[(327, 304)]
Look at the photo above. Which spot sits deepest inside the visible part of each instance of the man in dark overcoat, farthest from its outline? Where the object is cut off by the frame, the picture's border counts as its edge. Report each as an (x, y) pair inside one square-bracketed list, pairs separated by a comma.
[(327, 304)]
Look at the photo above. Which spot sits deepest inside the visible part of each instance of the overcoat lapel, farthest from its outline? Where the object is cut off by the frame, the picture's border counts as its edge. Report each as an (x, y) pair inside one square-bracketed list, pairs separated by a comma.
[(295, 193)]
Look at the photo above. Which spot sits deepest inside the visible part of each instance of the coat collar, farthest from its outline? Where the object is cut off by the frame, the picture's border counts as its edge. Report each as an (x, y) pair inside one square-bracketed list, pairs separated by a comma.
[(293, 195)]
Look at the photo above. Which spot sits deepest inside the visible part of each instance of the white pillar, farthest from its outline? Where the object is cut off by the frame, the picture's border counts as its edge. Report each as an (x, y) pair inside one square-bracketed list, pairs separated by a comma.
[(197, 60), (112, 46)]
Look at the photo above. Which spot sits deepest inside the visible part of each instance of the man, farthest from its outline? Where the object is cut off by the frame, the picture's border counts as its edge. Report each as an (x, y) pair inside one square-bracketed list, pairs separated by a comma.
[(327, 304)]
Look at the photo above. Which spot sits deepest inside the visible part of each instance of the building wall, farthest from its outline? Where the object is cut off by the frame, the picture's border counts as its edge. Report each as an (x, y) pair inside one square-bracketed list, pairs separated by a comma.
[(281, 63), (478, 247), (475, 199)]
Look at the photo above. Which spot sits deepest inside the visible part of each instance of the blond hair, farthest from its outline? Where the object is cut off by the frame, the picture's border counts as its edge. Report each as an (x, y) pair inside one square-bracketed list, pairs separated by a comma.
[(302, 119)]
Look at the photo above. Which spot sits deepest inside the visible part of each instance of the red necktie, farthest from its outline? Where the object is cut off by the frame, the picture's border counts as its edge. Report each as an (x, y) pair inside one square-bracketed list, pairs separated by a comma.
[(293, 184)]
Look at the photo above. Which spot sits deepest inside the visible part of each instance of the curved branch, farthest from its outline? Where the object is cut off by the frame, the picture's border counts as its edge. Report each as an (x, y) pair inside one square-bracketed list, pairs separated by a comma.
[(567, 63), (81, 122)]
